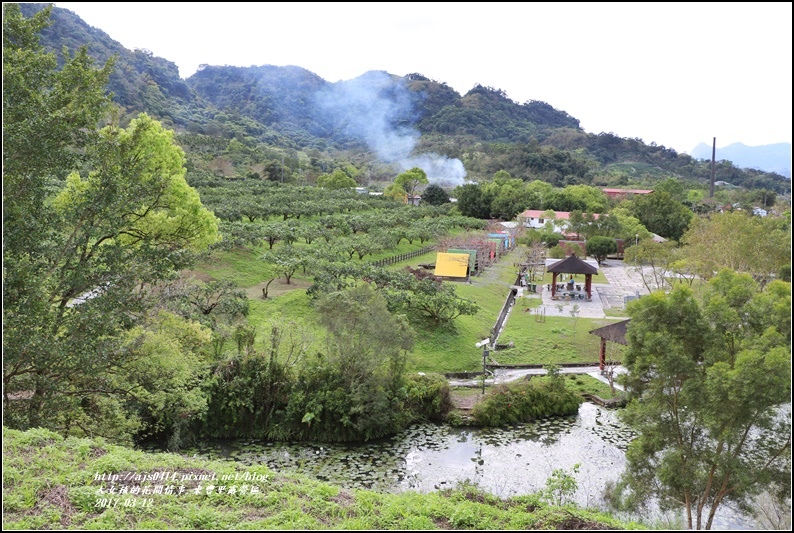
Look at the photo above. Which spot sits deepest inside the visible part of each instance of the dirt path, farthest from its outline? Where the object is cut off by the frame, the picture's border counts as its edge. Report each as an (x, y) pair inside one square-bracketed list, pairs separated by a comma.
[(464, 402)]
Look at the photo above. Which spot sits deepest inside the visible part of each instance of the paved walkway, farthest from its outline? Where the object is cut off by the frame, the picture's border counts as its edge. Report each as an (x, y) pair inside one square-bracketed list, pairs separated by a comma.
[(623, 281), (504, 375)]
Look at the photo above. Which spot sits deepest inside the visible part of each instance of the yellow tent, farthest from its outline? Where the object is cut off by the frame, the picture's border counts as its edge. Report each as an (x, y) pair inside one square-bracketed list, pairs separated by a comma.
[(452, 265)]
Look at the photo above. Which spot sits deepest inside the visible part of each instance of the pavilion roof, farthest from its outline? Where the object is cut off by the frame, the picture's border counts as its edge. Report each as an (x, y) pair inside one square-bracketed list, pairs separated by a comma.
[(572, 265), (614, 332)]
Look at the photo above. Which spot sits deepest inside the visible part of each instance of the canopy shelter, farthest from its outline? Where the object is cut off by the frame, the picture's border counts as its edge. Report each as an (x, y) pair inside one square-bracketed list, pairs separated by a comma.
[(452, 265), (573, 265), (614, 333)]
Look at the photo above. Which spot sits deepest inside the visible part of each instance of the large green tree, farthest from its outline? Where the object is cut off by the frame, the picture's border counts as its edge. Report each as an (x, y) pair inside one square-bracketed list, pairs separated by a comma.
[(473, 201), (600, 247), (661, 214), (49, 117), (411, 180), (758, 246), (435, 195), (711, 388), (93, 220), (337, 180)]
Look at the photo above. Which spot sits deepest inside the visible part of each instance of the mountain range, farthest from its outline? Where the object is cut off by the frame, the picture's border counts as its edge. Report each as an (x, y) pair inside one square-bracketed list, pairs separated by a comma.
[(768, 157), (287, 122)]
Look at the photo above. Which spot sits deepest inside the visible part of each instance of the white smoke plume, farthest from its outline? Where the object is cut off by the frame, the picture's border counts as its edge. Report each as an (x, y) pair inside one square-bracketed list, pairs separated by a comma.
[(377, 109)]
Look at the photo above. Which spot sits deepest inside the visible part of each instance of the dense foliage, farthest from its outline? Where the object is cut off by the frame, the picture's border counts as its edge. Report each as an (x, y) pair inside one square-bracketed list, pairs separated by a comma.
[(105, 334), (94, 220), (711, 386), (512, 403)]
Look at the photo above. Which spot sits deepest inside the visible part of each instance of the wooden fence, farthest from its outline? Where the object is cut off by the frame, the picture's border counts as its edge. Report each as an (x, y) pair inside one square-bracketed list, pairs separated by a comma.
[(403, 257)]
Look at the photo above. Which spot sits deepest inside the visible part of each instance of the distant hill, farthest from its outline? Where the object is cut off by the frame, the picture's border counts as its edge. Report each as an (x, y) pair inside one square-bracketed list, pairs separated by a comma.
[(768, 157), (287, 122)]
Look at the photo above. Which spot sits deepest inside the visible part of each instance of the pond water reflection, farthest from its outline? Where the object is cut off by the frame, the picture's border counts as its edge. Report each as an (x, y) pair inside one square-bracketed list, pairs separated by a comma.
[(503, 461)]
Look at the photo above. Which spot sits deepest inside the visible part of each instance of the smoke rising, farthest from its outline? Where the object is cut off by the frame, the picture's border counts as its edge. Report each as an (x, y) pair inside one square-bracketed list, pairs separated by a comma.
[(378, 109)]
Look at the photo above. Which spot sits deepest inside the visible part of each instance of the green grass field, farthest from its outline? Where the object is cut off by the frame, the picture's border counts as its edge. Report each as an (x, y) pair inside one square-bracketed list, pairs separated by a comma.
[(436, 349)]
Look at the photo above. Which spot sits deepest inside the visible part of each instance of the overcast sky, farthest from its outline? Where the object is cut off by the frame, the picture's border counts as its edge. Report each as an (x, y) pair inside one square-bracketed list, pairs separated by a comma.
[(672, 73)]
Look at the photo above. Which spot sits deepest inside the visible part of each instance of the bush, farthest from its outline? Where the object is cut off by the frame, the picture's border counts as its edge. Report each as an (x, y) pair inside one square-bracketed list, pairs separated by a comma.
[(551, 239), (522, 402), (326, 405), (557, 252), (427, 397)]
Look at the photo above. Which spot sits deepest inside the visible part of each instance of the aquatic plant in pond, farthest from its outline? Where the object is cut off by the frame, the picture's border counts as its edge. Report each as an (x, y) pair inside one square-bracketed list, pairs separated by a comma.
[(505, 461)]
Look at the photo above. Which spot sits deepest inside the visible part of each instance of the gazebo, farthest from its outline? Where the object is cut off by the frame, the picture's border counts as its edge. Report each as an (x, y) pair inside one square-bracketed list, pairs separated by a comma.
[(573, 265), (614, 333)]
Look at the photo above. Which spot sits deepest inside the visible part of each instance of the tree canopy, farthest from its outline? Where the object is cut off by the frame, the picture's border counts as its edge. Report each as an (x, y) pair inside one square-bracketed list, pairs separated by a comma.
[(758, 246), (411, 180), (337, 180), (710, 380), (662, 214), (95, 218), (600, 247), (435, 195)]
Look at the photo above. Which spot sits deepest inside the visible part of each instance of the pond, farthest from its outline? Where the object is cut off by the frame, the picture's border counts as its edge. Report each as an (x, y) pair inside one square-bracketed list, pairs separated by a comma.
[(506, 462)]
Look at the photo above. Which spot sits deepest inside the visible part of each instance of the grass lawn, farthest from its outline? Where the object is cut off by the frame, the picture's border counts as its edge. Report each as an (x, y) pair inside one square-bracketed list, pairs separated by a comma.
[(243, 266), (553, 341), (453, 349), (582, 383), (436, 349)]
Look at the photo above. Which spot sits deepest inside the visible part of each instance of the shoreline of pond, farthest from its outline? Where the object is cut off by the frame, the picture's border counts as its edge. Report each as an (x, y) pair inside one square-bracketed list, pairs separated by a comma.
[(504, 461)]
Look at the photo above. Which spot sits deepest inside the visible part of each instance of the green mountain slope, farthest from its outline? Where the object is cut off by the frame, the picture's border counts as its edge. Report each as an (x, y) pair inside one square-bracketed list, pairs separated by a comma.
[(290, 116)]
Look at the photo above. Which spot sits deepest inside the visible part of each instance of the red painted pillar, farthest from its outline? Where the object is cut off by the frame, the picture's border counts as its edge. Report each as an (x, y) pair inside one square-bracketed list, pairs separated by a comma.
[(553, 284)]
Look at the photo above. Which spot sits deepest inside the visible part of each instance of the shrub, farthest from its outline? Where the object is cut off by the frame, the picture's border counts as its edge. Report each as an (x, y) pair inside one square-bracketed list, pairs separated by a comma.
[(556, 252), (427, 397), (522, 402)]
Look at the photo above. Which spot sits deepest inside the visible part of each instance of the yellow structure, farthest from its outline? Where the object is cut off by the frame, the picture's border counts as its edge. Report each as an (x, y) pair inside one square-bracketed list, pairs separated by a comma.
[(452, 265)]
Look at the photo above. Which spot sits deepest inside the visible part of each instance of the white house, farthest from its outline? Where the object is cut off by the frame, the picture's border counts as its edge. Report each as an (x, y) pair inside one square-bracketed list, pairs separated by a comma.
[(532, 218)]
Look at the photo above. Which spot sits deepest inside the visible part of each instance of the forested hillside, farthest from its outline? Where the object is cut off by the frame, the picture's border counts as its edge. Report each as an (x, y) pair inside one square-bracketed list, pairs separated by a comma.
[(289, 124)]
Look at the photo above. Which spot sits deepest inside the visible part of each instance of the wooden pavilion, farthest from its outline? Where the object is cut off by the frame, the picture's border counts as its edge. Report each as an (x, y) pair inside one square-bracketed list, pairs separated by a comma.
[(614, 333), (573, 265)]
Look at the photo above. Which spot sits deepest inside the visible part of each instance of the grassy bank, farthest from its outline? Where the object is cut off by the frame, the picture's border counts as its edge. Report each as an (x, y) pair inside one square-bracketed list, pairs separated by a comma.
[(54, 483)]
